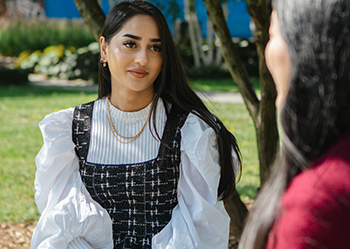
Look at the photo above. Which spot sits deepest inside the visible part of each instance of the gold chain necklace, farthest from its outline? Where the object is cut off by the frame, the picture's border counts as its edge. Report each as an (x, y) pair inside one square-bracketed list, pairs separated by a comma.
[(111, 126)]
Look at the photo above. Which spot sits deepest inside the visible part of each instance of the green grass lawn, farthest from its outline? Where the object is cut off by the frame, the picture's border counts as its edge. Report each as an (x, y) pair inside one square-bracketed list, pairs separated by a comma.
[(22, 108), (238, 121), (225, 85)]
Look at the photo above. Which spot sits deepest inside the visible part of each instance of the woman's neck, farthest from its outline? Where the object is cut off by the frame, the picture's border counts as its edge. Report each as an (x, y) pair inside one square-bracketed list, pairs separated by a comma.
[(131, 101)]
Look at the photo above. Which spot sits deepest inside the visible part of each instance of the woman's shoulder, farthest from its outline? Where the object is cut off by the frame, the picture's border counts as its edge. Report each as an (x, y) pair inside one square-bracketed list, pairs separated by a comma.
[(194, 120), (198, 141), (327, 181), (196, 129), (315, 205), (62, 118)]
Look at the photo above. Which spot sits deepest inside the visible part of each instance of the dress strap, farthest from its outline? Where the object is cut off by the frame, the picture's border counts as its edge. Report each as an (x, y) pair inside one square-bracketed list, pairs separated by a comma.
[(175, 120), (81, 129)]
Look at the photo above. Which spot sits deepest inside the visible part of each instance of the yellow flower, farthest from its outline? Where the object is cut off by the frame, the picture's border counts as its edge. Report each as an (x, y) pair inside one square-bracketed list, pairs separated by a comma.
[(22, 56)]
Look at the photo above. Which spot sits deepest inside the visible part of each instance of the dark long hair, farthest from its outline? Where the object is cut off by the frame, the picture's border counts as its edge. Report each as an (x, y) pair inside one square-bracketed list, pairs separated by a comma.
[(171, 86), (317, 108)]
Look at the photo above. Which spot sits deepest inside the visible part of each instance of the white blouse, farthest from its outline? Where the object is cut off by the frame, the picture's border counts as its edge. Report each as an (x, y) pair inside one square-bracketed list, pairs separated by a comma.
[(70, 218)]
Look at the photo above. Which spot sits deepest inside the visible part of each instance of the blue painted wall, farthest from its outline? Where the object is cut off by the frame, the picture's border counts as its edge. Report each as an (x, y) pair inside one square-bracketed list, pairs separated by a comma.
[(238, 19), (67, 8)]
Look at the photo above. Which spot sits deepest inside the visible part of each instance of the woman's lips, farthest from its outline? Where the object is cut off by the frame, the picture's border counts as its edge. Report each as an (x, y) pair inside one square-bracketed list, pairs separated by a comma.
[(138, 73)]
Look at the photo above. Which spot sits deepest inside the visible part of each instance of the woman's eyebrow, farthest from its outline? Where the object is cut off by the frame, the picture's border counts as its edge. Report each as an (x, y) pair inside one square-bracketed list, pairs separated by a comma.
[(155, 40), (133, 36), (139, 38)]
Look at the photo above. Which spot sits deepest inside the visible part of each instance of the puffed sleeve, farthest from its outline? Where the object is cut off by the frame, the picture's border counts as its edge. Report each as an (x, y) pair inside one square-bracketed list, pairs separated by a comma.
[(69, 216), (200, 219)]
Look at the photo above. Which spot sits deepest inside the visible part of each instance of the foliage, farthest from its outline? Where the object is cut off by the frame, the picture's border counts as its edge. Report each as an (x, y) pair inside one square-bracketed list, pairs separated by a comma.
[(204, 72), (23, 107), (246, 49), (26, 38), (13, 76), (62, 62), (19, 35)]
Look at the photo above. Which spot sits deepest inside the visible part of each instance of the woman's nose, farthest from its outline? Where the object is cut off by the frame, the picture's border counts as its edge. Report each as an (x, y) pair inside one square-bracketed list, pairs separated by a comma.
[(141, 57)]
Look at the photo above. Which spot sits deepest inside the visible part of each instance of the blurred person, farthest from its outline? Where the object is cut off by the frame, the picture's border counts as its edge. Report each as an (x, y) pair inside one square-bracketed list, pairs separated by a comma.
[(306, 201), (146, 165)]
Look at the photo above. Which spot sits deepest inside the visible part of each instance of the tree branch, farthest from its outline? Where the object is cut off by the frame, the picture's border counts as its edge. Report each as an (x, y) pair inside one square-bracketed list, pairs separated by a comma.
[(238, 213), (92, 15), (260, 11), (231, 56)]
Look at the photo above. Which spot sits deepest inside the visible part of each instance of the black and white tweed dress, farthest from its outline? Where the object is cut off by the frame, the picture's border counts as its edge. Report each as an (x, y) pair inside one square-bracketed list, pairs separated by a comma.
[(139, 197)]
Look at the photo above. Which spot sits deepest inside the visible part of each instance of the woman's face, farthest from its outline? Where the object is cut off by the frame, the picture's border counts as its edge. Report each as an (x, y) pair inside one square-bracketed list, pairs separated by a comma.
[(134, 55), (278, 60)]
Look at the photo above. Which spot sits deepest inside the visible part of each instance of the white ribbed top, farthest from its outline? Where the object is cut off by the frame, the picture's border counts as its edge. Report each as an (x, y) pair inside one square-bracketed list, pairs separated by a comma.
[(106, 149)]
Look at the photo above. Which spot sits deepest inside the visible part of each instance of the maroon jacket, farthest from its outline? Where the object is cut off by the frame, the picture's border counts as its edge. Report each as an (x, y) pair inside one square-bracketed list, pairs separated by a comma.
[(316, 205)]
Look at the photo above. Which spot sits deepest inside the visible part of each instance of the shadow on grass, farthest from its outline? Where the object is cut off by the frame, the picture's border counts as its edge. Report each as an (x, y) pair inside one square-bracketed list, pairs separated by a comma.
[(223, 85), (33, 90)]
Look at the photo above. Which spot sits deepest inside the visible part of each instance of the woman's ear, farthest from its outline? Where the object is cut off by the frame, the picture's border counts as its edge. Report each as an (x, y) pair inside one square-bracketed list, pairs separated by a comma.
[(103, 47)]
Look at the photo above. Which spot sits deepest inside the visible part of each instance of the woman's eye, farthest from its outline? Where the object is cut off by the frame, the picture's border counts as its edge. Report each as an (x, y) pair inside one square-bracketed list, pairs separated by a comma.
[(130, 44), (156, 48)]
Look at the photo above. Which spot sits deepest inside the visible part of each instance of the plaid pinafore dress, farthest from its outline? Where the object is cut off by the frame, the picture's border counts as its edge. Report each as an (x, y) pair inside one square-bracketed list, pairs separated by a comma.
[(139, 197)]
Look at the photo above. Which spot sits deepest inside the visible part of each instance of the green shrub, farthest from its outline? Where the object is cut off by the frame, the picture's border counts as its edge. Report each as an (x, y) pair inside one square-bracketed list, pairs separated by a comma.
[(246, 50), (11, 76), (23, 34), (207, 72), (62, 62)]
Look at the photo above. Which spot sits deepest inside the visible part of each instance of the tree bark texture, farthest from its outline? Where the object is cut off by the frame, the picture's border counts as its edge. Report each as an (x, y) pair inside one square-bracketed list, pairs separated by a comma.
[(191, 18), (266, 125), (92, 15), (200, 56), (263, 112), (238, 212), (231, 56)]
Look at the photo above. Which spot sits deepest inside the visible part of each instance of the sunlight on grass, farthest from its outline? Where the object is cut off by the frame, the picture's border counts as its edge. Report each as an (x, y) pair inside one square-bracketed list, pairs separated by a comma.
[(21, 110), (236, 118)]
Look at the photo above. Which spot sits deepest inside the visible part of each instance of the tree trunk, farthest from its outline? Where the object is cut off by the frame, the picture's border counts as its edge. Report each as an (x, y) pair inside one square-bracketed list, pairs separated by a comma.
[(92, 15), (190, 19), (267, 133), (263, 112), (232, 58), (218, 56), (2, 8), (208, 57), (238, 212), (200, 56)]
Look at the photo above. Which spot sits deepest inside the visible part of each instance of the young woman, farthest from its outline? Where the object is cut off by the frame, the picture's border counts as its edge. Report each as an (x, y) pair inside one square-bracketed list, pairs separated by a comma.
[(146, 165), (306, 202)]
